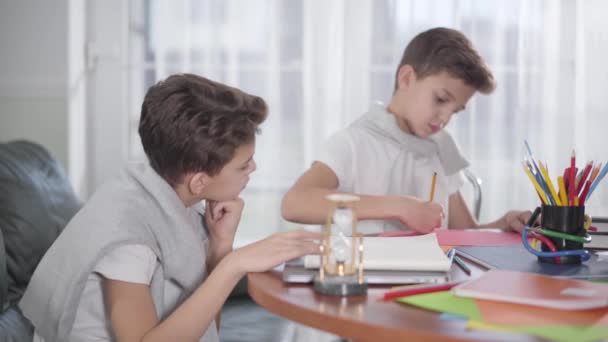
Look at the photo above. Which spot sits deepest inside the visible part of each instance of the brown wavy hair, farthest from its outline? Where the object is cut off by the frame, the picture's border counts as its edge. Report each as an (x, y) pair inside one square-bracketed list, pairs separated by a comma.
[(447, 50), (191, 124)]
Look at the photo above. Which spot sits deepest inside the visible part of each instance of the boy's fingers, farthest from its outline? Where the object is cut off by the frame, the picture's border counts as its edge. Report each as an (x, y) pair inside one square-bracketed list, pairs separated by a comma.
[(303, 248), (227, 206), (525, 216), (303, 234), (310, 249), (209, 208), (219, 208), (517, 226)]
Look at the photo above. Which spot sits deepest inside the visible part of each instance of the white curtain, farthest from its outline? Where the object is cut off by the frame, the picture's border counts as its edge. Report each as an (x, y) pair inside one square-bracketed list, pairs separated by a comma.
[(319, 64)]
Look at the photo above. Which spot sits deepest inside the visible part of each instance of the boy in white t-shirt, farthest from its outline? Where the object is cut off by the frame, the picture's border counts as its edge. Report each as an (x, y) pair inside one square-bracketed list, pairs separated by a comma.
[(388, 156), (143, 260)]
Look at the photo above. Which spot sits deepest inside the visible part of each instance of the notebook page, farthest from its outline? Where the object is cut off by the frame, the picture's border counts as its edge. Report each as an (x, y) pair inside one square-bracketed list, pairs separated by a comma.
[(411, 253)]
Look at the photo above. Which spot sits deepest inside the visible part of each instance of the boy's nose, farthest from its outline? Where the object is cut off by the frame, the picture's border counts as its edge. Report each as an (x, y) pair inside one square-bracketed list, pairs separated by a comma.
[(254, 166)]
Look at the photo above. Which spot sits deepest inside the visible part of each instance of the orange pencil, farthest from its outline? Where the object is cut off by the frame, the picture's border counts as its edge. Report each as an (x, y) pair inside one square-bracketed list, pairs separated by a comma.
[(433, 186), (594, 173)]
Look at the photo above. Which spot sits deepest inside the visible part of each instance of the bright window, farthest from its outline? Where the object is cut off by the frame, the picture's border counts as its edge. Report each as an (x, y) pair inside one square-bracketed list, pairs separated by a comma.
[(319, 65)]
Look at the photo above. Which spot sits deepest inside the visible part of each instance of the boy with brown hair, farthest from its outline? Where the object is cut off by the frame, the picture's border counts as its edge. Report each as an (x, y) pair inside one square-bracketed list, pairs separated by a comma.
[(143, 260), (388, 156)]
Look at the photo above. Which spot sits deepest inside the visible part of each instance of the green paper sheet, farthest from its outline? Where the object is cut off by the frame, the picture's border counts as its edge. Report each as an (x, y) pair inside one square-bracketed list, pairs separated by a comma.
[(598, 280), (445, 301)]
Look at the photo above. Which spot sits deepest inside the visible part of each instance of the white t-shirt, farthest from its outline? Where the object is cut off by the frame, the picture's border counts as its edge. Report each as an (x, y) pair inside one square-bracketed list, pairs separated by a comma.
[(366, 161), (130, 263)]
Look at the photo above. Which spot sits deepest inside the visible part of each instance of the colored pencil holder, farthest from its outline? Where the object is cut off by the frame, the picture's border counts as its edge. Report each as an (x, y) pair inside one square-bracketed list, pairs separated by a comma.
[(569, 220)]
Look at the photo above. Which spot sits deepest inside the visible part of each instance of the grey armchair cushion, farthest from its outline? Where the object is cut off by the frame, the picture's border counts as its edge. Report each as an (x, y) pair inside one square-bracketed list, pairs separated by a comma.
[(36, 202), (14, 327)]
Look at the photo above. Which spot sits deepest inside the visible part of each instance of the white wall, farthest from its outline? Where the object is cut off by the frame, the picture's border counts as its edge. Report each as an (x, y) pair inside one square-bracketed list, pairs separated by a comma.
[(76, 97), (107, 86), (41, 94)]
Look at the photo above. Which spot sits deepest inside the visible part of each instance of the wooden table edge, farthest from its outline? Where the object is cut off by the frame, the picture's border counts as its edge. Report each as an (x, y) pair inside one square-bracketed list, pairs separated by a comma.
[(344, 327)]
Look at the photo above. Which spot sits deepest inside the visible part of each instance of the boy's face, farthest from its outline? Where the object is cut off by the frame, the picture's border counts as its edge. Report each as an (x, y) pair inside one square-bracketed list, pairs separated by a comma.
[(233, 177), (425, 106)]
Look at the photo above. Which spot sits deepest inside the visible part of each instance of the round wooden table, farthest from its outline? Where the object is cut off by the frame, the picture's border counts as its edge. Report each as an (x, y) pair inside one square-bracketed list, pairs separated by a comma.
[(362, 318)]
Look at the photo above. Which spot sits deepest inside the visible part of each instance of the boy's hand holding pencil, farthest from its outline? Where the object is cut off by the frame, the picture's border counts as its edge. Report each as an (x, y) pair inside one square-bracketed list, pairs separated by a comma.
[(419, 215), (426, 215)]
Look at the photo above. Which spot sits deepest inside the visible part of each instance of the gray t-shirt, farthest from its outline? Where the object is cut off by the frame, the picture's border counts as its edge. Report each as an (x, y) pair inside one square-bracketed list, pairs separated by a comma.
[(140, 209)]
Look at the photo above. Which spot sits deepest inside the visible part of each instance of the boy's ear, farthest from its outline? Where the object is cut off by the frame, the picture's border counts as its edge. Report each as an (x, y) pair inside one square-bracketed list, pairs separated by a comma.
[(406, 76), (198, 182)]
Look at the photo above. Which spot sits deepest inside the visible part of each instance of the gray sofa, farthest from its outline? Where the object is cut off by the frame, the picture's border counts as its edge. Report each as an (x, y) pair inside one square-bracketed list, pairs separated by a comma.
[(36, 202)]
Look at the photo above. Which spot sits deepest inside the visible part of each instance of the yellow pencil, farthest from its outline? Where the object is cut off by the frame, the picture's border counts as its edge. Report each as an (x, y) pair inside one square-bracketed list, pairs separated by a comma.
[(547, 179), (540, 191), (562, 190), (433, 186), (576, 201)]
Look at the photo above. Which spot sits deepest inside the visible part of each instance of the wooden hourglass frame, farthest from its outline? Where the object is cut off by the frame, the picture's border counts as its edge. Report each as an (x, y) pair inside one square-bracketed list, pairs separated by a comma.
[(341, 265)]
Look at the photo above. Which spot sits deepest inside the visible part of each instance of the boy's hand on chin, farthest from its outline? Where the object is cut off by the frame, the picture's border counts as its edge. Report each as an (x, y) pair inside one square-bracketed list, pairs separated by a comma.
[(222, 219)]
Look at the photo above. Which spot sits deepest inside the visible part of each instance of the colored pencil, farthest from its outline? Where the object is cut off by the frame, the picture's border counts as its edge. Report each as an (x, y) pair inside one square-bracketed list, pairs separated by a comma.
[(415, 290), (539, 190), (562, 191), (595, 172), (462, 265), (584, 193), (597, 180), (545, 174), (433, 186), (581, 182), (572, 185)]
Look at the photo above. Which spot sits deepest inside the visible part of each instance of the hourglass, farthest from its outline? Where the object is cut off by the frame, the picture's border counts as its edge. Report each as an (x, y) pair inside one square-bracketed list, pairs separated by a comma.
[(341, 267)]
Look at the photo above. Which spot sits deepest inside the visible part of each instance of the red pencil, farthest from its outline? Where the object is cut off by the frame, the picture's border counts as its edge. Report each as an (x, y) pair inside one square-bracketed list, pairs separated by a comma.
[(584, 194), (572, 174), (581, 182), (410, 291)]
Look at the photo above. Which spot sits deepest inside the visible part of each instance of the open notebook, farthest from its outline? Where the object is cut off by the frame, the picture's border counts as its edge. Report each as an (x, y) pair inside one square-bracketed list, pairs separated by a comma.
[(401, 260), (294, 272), (411, 253)]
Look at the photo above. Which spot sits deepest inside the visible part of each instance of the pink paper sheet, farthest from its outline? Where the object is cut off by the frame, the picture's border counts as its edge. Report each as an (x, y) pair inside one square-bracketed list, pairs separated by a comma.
[(467, 237)]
